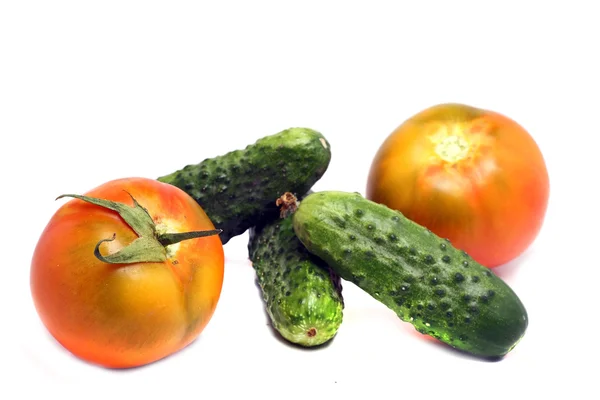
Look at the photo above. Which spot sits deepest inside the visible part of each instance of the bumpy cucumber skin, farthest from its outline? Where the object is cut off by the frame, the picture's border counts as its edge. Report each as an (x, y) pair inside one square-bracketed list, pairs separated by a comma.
[(239, 188), (302, 296), (426, 281)]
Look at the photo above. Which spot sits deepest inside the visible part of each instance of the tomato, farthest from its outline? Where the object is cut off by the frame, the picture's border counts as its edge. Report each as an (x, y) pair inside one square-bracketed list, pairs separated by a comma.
[(126, 314), (471, 175)]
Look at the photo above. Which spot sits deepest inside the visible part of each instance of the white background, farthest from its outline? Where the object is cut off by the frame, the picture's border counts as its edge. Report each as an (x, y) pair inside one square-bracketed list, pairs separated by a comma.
[(93, 91)]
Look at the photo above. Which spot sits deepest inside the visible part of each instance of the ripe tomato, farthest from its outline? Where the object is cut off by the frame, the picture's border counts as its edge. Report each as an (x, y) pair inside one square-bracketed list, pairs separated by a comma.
[(471, 175), (126, 314)]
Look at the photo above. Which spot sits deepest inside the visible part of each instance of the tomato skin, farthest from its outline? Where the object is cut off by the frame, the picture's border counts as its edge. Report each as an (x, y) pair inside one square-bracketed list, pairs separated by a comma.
[(473, 176), (125, 315)]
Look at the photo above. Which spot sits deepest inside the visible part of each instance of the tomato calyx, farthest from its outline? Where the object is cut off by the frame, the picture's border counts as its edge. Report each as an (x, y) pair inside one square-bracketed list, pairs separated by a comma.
[(150, 246)]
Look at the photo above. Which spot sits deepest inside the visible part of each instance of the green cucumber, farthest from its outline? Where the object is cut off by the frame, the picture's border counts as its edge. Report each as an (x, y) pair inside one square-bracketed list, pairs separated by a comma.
[(425, 280), (303, 297), (236, 189)]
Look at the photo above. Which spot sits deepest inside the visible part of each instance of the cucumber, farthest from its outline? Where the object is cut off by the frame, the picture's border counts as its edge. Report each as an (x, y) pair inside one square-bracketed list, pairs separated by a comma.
[(237, 189), (425, 280), (303, 297)]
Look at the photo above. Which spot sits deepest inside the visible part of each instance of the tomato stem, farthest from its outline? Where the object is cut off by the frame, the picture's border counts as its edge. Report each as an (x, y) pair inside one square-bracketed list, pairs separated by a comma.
[(171, 238), (149, 246)]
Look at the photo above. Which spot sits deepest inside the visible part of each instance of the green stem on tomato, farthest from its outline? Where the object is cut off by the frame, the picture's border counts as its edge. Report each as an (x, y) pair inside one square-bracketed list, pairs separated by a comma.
[(149, 246)]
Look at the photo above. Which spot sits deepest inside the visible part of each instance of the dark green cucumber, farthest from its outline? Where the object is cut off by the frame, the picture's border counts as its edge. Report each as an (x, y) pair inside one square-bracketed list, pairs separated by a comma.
[(303, 297), (425, 280), (237, 189)]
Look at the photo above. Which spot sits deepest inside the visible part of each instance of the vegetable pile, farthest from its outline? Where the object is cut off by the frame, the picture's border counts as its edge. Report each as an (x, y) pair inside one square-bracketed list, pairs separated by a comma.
[(131, 271)]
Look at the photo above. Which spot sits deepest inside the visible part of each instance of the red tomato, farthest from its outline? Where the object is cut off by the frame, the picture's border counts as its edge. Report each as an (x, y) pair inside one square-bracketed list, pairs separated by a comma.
[(470, 175), (126, 314)]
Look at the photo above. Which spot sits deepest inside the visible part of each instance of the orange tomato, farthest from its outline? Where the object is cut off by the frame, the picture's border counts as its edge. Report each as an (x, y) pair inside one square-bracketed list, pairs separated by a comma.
[(470, 175), (126, 314)]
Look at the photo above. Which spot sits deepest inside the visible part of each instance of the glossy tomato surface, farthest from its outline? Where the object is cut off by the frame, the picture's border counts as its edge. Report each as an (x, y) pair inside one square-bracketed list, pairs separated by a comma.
[(126, 315), (473, 176)]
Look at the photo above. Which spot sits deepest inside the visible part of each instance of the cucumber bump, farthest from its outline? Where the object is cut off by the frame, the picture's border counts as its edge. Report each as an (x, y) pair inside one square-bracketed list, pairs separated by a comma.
[(426, 281)]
